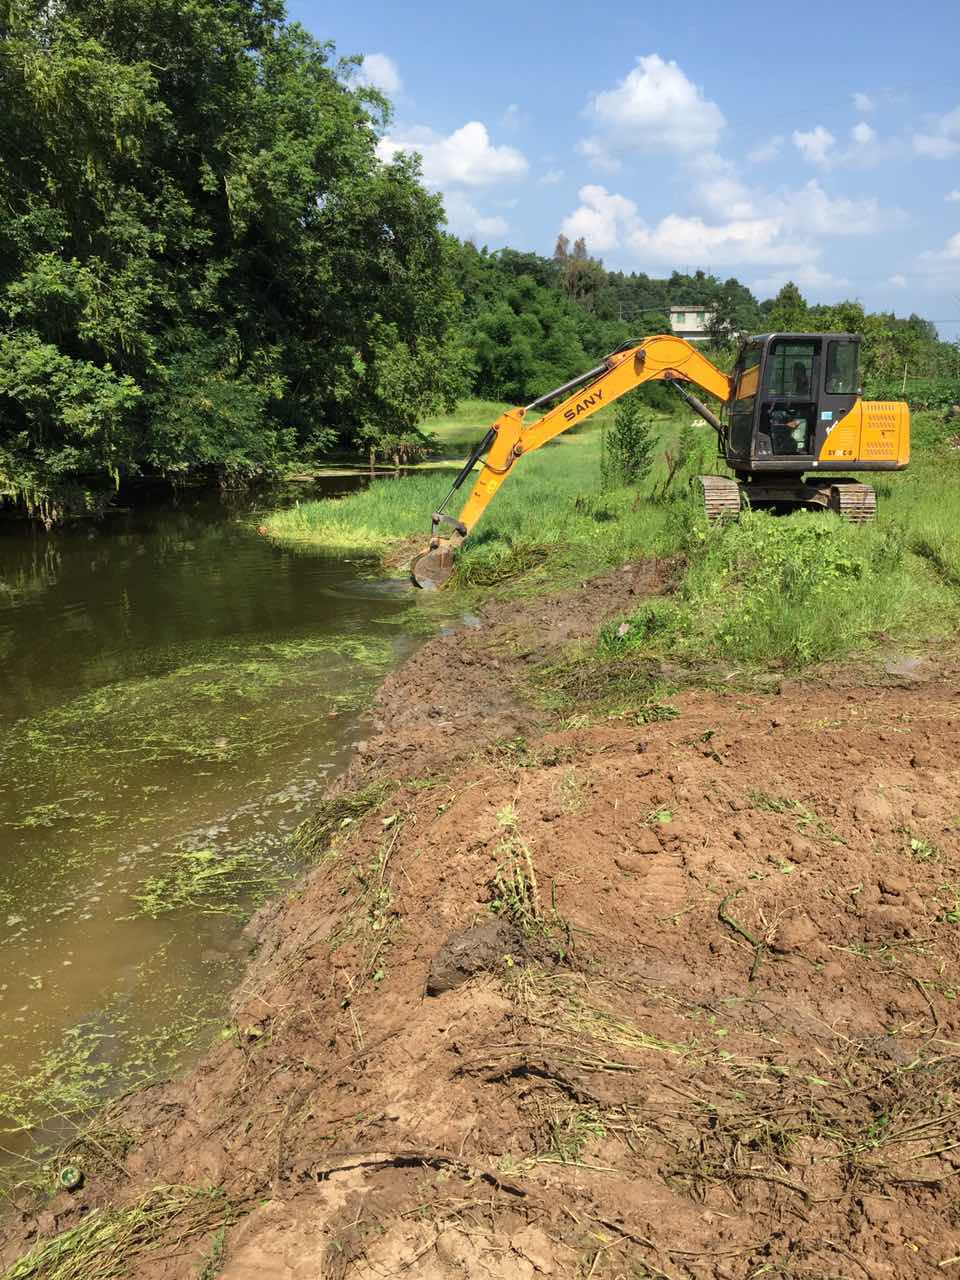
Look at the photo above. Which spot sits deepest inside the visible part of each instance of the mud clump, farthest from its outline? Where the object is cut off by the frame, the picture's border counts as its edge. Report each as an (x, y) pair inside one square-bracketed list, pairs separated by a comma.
[(482, 949), (745, 1065)]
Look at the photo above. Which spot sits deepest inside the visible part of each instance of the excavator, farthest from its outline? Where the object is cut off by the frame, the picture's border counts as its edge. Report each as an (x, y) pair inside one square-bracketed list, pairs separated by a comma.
[(792, 416)]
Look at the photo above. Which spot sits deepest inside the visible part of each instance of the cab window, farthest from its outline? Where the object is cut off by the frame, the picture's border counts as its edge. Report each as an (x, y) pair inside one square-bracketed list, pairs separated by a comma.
[(842, 370), (792, 369)]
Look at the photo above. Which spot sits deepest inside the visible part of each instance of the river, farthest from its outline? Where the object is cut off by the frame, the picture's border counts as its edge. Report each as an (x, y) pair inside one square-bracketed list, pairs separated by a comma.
[(172, 688)]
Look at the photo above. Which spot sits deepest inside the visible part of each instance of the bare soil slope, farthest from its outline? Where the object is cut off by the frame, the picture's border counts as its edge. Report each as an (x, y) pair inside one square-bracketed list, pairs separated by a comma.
[(666, 999)]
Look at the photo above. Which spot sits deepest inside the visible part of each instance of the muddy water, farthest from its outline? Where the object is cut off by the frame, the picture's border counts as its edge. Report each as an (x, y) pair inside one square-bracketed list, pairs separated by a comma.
[(170, 684)]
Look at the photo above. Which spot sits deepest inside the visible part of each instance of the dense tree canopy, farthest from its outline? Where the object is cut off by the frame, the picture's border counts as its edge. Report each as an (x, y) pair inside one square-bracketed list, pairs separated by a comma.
[(202, 262), (204, 267)]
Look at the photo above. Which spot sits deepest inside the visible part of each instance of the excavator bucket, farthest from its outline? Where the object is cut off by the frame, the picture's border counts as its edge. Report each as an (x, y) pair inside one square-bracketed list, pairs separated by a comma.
[(433, 568)]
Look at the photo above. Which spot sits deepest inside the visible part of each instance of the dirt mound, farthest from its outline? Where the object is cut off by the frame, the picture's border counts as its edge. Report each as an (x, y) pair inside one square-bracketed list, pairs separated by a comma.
[(726, 1044)]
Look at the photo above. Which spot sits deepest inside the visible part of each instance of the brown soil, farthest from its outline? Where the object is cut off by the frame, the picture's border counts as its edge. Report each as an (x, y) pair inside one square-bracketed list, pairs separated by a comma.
[(720, 1037)]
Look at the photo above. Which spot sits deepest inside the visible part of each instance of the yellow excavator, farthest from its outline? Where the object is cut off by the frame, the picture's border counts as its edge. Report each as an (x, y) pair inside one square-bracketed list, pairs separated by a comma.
[(791, 416)]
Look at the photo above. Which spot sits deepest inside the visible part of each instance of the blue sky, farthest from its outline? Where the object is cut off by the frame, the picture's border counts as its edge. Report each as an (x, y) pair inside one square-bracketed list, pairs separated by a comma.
[(816, 142)]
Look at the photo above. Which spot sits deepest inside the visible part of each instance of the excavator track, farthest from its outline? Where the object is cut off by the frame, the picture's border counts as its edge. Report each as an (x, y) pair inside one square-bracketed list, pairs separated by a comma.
[(856, 503), (721, 497)]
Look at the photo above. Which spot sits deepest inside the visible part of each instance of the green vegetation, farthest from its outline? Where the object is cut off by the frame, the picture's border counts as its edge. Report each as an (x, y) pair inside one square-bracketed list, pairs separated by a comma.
[(551, 522), (70, 1081), (769, 590), (197, 242), (211, 881), (205, 270), (336, 814), (110, 1243)]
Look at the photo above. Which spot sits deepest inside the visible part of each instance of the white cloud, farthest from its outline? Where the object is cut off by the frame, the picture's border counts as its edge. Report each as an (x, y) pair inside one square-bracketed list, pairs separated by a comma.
[(898, 281), (950, 253), (782, 230), (815, 146), (726, 195), (807, 211), (654, 108), (602, 219), (811, 210), (863, 102), (551, 178), (941, 137), (766, 152), (465, 219), (806, 277), (380, 72), (925, 144), (465, 157), (862, 134), (609, 221), (677, 239), (953, 197), (513, 118)]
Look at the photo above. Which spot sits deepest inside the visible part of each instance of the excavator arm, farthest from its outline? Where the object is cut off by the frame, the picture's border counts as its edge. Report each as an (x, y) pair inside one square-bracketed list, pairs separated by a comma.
[(665, 357)]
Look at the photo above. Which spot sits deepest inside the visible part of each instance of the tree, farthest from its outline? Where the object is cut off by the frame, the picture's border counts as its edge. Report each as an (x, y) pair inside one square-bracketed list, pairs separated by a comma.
[(203, 264), (789, 311), (562, 248), (628, 447)]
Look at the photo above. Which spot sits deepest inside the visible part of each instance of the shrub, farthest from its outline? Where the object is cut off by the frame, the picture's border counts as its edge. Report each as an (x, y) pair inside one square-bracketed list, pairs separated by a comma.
[(627, 450)]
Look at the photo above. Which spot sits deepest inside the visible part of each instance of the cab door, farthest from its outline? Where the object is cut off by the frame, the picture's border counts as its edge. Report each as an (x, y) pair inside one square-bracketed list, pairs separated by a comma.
[(787, 418), (743, 406)]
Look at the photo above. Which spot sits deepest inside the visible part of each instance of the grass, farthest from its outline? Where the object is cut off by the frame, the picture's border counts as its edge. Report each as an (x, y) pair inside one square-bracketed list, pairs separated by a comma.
[(767, 591), (457, 433), (549, 522), (110, 1243)]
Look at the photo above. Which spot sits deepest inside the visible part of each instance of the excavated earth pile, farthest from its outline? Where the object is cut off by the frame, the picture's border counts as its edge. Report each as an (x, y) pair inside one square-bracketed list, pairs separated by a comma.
[(667, 999)]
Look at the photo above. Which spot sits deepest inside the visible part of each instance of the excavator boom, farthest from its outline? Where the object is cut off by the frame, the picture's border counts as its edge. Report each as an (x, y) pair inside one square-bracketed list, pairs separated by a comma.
[(663, 357), (796, 418)]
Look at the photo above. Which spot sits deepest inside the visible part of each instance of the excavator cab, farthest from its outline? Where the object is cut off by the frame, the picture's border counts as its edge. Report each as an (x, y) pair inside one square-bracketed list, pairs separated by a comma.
[(789, 391)]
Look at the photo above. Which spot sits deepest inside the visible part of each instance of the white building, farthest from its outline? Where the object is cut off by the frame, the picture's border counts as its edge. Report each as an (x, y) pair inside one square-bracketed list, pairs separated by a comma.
[(690, 322)]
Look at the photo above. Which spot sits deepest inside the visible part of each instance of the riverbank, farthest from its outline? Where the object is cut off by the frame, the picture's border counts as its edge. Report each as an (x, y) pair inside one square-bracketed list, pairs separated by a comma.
[(566, 994), (619, 953)]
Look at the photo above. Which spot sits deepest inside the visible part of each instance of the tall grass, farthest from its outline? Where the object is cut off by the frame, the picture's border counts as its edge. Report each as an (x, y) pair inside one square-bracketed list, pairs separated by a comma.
[(781, 590), (550, 520), (804, 588)]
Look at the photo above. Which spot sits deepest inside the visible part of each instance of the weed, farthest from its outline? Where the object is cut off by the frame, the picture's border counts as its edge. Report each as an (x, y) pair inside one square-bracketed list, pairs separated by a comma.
[(211, 881), (570, 792), (921, 849), (557, 1002), (515, 891), (808, 822), (567, 1131), (314, 836), (110, 1243), (951, 910), (656, 712), (213, 1264)]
